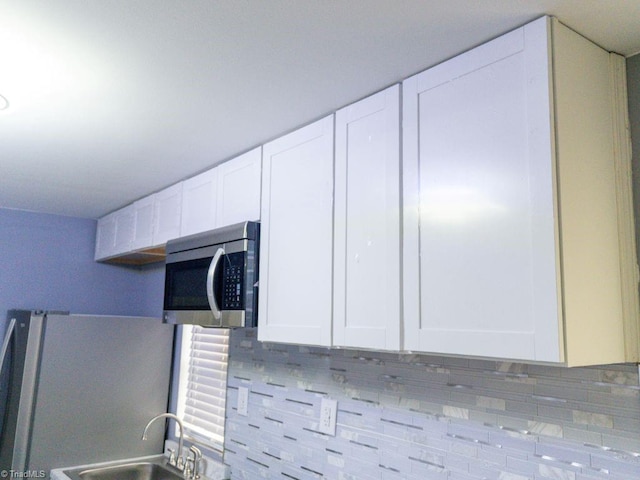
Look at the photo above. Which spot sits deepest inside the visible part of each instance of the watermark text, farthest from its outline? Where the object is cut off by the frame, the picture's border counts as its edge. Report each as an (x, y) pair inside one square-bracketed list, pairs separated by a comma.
[(21, 474)]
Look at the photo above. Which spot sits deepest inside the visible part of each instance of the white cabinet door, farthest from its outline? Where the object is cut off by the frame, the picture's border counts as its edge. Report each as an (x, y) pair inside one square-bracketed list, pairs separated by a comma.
[(224, 195), (297, 236), (167, 214), (143, 229), (479, 229), (199, 203), (367, 223), (114, 234), (239, 189), (125, 229), (106, 236)]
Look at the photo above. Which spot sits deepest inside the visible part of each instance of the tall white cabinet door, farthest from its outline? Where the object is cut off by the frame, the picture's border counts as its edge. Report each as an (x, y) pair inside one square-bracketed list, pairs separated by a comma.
[(167, 214), (479, 241), (297, 237), (367, 223), (199, 203), (238, 193)]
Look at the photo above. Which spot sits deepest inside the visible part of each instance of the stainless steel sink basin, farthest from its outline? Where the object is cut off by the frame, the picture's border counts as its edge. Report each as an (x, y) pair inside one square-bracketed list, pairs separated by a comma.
[(146, 470)]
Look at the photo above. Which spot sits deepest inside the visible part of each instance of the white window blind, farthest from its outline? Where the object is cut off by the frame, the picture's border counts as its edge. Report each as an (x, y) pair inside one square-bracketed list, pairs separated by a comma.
[(203, 384)]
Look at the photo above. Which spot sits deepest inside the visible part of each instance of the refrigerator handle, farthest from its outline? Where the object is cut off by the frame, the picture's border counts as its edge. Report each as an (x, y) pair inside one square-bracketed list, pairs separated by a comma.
[(3, 353), (5, 342)]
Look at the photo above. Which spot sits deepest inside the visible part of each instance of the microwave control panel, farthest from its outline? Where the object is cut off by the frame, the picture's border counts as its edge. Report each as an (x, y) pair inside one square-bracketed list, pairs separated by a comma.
[(233, 281)]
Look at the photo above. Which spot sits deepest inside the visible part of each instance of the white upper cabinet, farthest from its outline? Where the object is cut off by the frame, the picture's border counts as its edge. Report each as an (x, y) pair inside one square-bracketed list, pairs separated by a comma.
[(106, 236), (115, 233), (502, 228), (137, 233), (296, 236), (167, 214), (143, 230), (367, 223), (479, 224), (224, 195), (125, 229), (509, 202), (199, 203), (238, 195)]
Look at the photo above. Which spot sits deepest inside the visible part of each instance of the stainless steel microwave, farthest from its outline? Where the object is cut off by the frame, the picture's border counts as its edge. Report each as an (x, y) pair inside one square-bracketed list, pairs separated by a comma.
[(211, 278)]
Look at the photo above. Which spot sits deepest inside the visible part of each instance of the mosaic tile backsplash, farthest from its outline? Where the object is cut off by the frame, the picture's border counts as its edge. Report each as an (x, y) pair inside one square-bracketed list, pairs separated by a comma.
[(420, 417)]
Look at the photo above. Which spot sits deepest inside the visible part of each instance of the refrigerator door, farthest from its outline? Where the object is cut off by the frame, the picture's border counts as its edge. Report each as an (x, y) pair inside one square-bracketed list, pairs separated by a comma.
[(100, 380)]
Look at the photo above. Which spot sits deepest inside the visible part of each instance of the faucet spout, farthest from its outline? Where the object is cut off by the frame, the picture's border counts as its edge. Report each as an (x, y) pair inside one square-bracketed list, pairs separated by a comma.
[(180, 439)]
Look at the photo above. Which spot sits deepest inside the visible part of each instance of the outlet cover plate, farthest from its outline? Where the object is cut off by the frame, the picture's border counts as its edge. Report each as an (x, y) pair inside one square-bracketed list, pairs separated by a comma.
[(328, 412)]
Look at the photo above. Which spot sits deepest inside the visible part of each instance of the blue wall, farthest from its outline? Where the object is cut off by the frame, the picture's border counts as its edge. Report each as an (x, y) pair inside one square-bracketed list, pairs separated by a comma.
[(46, 262)]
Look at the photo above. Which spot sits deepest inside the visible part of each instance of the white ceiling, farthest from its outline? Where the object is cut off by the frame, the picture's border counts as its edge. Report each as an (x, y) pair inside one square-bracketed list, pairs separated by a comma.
[(111, 100)]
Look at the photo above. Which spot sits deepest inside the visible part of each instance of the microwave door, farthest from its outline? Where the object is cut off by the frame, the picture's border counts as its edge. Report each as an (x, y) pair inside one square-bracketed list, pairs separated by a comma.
[(211, 284)]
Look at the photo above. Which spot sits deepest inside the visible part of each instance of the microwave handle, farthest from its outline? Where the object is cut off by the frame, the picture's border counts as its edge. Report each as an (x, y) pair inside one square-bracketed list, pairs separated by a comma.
[(210, 275)]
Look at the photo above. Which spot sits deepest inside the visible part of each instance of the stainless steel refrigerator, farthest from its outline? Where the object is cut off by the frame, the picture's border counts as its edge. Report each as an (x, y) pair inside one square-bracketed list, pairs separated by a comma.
[(78, 389)]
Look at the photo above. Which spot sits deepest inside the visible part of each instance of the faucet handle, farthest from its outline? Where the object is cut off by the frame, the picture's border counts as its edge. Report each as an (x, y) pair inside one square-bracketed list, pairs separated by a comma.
[(187, 470), (172, 456)]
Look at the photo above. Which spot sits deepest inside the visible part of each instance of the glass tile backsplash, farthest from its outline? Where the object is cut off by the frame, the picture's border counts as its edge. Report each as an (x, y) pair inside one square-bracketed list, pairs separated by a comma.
[(421, 417)]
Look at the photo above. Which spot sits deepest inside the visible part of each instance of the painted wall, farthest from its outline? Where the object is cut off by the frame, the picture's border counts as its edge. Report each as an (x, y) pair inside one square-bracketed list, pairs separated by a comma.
[(46, 262)]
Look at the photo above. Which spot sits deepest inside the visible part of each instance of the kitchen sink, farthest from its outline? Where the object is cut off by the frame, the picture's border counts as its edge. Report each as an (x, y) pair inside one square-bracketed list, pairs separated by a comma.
[(143, 470)]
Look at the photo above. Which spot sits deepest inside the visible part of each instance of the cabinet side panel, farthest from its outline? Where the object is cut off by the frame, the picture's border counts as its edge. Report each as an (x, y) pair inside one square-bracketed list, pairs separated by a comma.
[(587, 200), (626, 222)]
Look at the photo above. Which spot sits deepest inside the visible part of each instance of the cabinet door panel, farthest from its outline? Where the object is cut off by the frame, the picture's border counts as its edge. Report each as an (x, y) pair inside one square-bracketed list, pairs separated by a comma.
[(167, 214), (239, 188), (296, 236), (125, 229), (367, 229), (143, 234), (199, 203), (106, 236), (479, 204)]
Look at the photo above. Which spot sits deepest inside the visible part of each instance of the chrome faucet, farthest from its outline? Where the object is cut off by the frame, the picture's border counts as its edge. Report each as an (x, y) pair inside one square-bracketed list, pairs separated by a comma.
[(180, 461)]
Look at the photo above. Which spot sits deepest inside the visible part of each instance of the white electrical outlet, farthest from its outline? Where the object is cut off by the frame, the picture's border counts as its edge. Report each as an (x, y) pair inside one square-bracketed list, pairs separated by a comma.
[(328, 411), (243, 401)]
